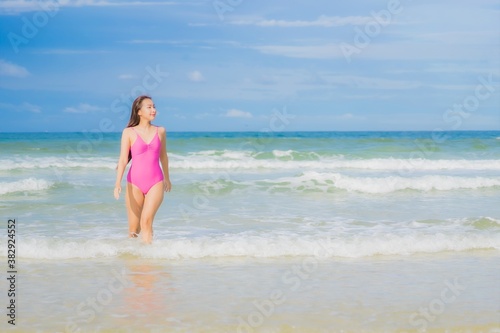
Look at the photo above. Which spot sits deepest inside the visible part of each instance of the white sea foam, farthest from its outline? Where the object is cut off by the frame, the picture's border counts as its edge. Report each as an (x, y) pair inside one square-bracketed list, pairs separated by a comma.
[(283, 153), (24, 185), (56, 162), (195, 162), (269, 245), (326, 181), (245, 160)]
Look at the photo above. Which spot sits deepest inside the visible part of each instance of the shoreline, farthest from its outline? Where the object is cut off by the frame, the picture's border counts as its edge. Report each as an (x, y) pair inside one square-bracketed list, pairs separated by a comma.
[(450, 292)]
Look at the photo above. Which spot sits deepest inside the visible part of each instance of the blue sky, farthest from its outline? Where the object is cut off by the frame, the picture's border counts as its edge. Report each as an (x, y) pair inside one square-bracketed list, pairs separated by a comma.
[(251, 65)]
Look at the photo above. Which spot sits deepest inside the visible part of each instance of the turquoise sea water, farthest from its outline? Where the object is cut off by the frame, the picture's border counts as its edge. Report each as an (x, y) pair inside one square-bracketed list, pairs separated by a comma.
[(243, 203)]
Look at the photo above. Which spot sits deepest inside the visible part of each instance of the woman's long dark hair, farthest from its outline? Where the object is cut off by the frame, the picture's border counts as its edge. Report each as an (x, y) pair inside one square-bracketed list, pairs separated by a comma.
[(134, 116)]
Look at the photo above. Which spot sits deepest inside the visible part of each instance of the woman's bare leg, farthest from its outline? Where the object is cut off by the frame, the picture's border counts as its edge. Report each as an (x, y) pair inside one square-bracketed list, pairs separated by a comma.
[(152, 202), (135, 201)]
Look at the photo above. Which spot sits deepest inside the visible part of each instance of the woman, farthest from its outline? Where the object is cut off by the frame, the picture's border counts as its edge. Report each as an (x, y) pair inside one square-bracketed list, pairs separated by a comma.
[(146, 145)]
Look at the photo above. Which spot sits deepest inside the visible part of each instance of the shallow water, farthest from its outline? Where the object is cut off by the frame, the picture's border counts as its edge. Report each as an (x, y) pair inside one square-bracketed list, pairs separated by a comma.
[(446, 293)]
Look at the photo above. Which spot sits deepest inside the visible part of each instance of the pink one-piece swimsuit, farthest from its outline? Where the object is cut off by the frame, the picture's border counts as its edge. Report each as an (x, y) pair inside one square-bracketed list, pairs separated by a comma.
[(145, 169)]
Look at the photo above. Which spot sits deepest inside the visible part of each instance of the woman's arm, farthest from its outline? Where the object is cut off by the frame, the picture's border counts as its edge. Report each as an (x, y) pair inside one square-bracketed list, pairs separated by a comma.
[(122, 161), (164, 159)]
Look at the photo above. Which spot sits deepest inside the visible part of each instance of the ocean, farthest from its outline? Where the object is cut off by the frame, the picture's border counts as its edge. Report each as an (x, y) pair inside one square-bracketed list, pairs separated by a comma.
[(262, 232)]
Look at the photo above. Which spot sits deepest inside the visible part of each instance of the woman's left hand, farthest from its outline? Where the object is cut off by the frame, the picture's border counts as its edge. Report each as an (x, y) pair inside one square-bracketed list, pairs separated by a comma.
[(167, 185), (117, 191)]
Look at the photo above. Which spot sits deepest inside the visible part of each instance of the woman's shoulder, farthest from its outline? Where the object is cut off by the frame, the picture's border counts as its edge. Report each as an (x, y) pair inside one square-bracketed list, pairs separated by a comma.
[(161, 130), (127, 130)]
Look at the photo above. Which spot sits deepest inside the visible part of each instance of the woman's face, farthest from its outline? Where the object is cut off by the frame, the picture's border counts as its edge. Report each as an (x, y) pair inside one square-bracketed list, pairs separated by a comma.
[(147, 110)]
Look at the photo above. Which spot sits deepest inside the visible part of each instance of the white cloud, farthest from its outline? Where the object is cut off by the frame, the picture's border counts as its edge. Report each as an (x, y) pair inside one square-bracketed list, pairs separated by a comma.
[(362, 82), (24, 107), (459, 68), (203, 115), (146, 41), (30, 108), (350, 116), (234, 113), (322, 21), (10, 69), (324, 51), (16, 7), (395, 50), (84, 108), (70, 52), (196, 76), (126, 76)]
